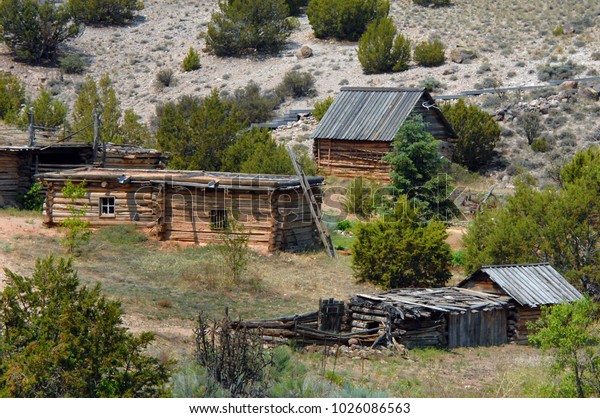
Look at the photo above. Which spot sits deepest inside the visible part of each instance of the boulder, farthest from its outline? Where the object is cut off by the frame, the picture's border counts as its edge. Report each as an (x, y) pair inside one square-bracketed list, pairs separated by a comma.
[(462, 55), (569, 85), (304, 52)]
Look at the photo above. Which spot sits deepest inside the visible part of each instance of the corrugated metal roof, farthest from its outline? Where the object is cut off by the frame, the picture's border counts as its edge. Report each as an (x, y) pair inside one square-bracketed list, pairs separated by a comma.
[(368, 113), (532, 284)]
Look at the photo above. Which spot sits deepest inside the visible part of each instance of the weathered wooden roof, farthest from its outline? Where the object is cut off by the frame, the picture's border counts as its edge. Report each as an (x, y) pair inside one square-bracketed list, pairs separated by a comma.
[(410, 302), (210, 179), (531, 284), (371, 114)]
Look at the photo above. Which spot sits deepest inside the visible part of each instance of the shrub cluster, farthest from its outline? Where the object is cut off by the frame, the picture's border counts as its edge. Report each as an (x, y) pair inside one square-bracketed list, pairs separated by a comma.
[(73, 64), (247, 26), (47, 111), (191, 61), (430, 54), (12, 95), (253, 105), (33, 29), (111, 12), (380, 50), (321, 107), (562, 71), (477, 134), (344, 19), (296, 84)]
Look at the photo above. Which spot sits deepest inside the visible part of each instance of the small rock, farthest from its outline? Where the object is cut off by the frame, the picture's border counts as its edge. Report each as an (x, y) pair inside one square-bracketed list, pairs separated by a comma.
[(352, 342), (304, 52), (569, 85), (568, 29)]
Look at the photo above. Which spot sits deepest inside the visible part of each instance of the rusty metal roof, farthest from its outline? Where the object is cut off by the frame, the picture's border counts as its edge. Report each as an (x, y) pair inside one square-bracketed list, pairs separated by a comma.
[(369, 113), (531, 284)]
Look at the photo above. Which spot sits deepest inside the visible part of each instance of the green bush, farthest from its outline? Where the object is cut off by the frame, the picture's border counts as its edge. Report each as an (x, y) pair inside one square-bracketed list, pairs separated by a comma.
[(344, 225), (531, 124), (361, 198), (92, 97), (477, 134), (564, 71), (12, 95), (540, 145), (431, 84), (47, 111), (344, 19), (165, 77), (197, 132), (321, 107), (242, 27), (111, 12), (432, 3), (73, 64), (34, 29), (296, 84), (380, 50), (62, 339), (253, 105), (402, 253), (430, 54), (255, 151), (191, 61), (34, 198)]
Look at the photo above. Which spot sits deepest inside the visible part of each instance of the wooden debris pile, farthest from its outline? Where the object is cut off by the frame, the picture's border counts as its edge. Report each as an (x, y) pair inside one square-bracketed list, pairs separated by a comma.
[(421, 317), (304, 330)]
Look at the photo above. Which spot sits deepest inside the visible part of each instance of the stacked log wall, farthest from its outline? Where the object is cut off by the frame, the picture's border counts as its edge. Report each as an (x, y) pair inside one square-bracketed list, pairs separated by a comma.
[(351, 159), (294, 225), (187, 216), (15, 176), (525, 315), (133, 205)]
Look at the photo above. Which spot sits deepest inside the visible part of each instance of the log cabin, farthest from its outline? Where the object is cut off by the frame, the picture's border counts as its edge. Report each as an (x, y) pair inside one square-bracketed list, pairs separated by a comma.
[(20, 163), (358, 129), (529, 287), (191, 206)]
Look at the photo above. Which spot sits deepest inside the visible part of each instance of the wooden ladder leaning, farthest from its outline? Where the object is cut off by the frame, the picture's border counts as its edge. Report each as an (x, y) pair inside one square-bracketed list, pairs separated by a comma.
[(315, 208)]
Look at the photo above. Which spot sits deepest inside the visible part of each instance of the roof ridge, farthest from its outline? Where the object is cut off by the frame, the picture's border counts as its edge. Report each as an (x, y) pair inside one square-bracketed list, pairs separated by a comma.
[(516, 265), (399, 89)]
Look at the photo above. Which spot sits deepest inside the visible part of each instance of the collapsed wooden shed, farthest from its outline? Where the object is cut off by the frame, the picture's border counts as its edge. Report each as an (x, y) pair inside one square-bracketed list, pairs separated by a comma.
[(443, 317), (528, 287), (358, 129), (20, 163), (192, 206)]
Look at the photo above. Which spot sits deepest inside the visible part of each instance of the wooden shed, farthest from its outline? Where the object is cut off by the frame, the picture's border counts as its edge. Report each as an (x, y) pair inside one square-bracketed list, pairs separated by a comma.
[(358, 129), (20, 163), (443, 317), (192, 206), (529, 287)]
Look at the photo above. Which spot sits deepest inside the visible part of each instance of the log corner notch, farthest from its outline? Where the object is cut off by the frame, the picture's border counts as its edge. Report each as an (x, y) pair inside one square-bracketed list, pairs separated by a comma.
[(194, 206)]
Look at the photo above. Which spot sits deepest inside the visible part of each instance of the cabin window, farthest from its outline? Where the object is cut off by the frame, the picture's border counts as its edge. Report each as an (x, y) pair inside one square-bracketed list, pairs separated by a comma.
[(218, 219), (107, 206)]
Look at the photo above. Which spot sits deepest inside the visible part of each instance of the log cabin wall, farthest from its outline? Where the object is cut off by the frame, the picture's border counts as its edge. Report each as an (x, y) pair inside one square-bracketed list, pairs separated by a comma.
[(15, 176), (294, 228), (349, 159), (523, 315), (200, 215), (107, 203), (274, 219)]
